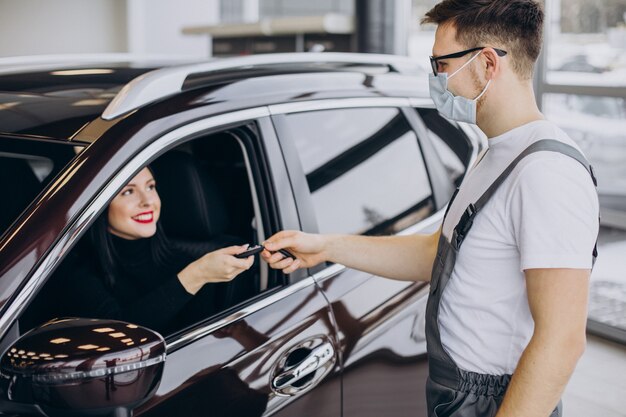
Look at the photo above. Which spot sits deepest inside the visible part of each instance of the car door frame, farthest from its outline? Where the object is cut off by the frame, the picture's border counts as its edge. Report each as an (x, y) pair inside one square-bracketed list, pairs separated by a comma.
[(287, 214), (412, 295)]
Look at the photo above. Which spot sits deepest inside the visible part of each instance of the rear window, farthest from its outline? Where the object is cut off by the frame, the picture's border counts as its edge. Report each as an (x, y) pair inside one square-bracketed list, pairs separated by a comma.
[(364, 168), (452, 145), (26, 168)]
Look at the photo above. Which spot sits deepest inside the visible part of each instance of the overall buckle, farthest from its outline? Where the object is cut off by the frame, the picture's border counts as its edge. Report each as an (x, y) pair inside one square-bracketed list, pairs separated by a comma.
[(465, 224)]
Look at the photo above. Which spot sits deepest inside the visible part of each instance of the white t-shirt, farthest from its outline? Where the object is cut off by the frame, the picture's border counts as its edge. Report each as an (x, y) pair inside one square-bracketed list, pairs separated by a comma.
[(544, 215)]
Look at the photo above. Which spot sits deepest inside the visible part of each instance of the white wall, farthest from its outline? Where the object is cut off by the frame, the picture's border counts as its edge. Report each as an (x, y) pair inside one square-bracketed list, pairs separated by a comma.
[(32, 27), (155, 26), (35, 27)]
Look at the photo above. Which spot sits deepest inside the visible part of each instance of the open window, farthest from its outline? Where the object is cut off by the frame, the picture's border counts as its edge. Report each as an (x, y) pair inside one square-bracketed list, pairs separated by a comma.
[(212, 196)]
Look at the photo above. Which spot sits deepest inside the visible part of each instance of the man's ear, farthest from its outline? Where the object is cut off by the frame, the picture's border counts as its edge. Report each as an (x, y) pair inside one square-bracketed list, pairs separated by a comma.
[(491, 61)]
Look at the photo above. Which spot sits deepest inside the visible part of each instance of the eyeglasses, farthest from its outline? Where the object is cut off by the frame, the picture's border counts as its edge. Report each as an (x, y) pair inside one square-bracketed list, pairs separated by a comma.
[(435, 65)]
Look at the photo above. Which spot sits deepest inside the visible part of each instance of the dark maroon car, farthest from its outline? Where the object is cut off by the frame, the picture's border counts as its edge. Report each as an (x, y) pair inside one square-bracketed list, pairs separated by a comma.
[(330, 143)]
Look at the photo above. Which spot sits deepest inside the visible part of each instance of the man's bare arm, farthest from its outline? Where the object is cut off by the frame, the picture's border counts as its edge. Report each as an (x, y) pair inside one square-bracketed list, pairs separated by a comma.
[(558, 303), (407, 258)]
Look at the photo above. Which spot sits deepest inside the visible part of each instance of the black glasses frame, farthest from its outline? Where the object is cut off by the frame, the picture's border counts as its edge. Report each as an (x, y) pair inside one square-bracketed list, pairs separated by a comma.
[(433, 60)]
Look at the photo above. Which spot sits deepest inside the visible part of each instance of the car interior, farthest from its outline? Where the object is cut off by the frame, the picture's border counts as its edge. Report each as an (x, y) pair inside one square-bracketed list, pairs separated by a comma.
[(209, 200), (35, 164)]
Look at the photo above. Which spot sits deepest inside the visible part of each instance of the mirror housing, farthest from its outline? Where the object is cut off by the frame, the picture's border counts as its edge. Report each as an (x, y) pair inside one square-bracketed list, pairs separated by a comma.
[(82, 367)]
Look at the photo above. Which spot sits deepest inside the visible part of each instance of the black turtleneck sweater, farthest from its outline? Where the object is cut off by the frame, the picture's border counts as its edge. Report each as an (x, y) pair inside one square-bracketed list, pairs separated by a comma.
[(144, 292)]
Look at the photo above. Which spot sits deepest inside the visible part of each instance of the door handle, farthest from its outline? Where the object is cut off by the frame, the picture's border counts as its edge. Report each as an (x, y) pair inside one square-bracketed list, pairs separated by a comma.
[(320, 357)]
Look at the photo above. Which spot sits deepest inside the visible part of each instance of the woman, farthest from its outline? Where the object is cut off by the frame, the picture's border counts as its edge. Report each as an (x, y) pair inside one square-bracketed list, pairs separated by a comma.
[(141, 276)]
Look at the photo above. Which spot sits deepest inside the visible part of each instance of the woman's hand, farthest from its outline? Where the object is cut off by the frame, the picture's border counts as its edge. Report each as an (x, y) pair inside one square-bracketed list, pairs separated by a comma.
[(309, 250), (217, 266)]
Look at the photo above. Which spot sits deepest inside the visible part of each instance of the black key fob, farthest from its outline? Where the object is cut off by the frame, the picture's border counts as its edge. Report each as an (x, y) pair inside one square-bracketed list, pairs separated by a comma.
[(250, 251)]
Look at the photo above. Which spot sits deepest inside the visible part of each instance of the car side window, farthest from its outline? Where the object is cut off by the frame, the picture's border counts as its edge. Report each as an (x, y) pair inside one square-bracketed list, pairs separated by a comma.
[(364, 168), (450, 142), (206, 203), (26, 168)]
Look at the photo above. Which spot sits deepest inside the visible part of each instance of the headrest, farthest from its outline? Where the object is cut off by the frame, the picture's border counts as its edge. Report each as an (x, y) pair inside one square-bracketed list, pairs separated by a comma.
[(191, 204)]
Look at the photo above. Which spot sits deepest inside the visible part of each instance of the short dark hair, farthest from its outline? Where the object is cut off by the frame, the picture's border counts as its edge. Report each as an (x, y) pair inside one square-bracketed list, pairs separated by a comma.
[(513, 25)]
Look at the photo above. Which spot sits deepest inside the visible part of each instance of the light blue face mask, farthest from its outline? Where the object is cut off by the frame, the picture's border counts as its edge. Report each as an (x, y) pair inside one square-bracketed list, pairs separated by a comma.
[(453, 107)]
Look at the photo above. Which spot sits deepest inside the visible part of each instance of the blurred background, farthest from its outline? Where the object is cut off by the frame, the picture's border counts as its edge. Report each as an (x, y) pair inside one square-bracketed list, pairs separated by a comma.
[(580, 83)]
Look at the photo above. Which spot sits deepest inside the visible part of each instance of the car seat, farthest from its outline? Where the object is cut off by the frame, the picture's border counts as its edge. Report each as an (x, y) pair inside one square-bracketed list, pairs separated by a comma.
[(194, 215)]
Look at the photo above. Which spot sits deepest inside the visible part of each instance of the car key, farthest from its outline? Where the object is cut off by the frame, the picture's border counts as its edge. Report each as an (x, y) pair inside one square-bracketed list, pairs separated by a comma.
[(250, 251), (286, 253)]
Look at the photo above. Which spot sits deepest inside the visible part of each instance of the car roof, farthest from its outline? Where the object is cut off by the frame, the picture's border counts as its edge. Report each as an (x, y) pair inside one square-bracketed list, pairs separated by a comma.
[(56, 98)]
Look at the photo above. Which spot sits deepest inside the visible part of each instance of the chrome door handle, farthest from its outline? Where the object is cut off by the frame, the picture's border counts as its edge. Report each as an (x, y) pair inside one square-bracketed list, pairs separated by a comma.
[(317, 359)]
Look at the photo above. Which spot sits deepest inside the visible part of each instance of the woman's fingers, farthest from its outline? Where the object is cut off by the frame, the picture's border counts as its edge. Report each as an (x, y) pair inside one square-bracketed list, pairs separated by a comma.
[(241, 264), (234, 250)]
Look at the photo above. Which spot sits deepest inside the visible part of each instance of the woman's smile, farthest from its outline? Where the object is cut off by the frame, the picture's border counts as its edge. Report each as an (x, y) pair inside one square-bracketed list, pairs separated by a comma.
[(145, 217)]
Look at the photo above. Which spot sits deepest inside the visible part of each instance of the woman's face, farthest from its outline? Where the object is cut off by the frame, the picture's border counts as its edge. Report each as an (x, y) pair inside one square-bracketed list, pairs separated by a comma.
[(134, 212)]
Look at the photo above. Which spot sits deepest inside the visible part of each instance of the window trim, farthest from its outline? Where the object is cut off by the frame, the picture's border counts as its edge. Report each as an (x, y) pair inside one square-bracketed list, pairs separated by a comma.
[(305, 196), (78, 227)]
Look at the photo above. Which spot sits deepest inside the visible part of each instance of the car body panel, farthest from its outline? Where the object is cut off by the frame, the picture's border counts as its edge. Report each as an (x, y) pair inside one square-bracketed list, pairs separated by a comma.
[(374, 325)]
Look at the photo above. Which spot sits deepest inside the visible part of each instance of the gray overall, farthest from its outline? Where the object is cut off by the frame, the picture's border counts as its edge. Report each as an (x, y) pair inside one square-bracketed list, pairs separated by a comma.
[(450, 391)]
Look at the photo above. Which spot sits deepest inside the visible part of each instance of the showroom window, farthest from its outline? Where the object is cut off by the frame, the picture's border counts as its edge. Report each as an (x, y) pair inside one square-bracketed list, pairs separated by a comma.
[(581, 86), (364, 168)]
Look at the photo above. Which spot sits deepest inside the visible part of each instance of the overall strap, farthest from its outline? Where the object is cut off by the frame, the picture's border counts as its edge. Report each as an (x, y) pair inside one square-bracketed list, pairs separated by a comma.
[(550, 145)]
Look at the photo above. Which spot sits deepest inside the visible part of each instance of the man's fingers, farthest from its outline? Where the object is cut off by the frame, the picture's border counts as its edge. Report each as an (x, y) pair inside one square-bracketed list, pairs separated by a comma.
[(274, 244), (276, 257), (280, 235), (293, 267), (282, 264)]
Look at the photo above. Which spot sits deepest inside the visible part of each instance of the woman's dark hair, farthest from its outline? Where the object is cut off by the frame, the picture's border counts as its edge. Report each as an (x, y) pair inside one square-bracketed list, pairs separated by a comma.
[(102, 241)]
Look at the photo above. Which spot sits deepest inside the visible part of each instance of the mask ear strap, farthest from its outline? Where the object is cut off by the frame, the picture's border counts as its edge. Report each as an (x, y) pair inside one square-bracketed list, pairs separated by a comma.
[(464, 65), (484, 90)]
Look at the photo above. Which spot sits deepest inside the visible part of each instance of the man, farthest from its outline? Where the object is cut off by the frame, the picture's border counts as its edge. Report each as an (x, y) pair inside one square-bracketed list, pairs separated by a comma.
[(510, 266)]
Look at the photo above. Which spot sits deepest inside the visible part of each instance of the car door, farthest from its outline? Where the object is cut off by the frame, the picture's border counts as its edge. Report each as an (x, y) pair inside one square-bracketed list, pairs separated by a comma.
[(275, 354), (366, 172)]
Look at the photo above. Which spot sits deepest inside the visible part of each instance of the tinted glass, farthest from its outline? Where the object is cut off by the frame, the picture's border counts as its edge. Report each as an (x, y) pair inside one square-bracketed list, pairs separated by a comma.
[(364, 168), (450, 142), (26, 168)]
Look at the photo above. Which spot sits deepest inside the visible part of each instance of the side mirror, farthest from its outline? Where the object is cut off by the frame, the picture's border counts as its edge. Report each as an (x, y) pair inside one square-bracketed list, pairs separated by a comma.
[(81, 367)]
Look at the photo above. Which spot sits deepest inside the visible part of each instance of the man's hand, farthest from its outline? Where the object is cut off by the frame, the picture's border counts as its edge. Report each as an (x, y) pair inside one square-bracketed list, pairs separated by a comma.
[(558, 303), (309, 250), (405, 258)]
